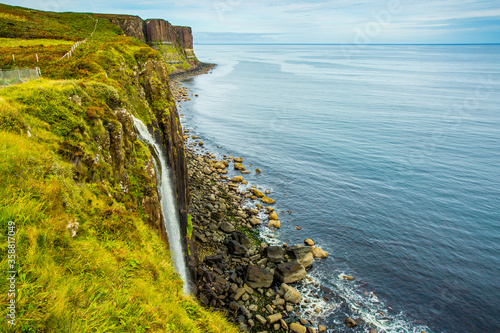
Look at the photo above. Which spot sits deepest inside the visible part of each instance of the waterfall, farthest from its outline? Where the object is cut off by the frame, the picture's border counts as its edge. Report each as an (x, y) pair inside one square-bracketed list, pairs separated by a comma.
[(168, 204)]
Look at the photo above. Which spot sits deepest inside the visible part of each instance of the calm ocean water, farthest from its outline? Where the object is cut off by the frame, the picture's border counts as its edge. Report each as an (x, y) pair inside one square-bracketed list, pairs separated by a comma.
[(387, 156)]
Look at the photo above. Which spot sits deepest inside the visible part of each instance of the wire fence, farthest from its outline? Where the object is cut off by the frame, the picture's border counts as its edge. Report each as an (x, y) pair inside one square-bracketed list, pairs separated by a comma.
[(9, 77), (74, 46)]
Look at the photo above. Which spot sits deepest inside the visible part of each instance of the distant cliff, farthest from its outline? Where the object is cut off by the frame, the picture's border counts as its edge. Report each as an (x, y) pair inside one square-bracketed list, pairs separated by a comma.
[(153, 31)]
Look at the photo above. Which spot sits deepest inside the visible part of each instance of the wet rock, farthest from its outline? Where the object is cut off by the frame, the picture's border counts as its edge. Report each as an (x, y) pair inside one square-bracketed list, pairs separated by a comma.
[(238, 159), (236, 248), (347, 277), (311, 330), (322, 328), (274, 224), (227, 227), (301, 253), (258, 170), (239, 166), (290, 272), (258, 277), (237, 179), (303, 321), (257, 193), (273, 215), (267, 200), (297, 328), (349, 322), (309, 242), (255, 221), (319, 253)]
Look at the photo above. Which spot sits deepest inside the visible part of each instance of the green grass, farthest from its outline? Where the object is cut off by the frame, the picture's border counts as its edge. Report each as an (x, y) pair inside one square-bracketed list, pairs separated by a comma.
[(115, 275), (14, 42)]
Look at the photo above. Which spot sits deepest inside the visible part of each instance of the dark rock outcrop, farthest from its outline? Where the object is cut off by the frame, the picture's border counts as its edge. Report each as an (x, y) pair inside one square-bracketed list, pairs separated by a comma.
[(258, 277), (289, 272)]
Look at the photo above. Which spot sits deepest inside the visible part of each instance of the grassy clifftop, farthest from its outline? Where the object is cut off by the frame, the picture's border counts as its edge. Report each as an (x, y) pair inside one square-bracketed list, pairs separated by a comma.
[(80, 187)]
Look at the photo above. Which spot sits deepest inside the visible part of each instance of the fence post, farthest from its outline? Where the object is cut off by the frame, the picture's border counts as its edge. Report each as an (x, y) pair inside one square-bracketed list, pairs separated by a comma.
[(36, 57), (3, 82)]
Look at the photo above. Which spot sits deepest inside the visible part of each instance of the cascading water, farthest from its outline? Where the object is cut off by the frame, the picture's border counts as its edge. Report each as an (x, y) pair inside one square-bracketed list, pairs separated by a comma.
[(168, 205)]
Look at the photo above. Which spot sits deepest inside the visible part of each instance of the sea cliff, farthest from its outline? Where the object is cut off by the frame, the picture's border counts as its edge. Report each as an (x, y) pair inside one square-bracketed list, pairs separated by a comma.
[(80, 190)]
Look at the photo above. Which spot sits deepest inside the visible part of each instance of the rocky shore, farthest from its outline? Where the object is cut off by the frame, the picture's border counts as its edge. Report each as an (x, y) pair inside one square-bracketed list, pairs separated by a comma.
[(237, 272)]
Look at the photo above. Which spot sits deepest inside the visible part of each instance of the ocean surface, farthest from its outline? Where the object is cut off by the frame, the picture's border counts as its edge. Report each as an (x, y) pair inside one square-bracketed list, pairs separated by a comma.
[(388, 158)]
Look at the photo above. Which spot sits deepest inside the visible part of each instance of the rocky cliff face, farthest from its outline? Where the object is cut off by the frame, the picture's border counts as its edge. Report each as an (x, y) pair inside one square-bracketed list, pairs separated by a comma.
[(153, 31), (184, 36), (131, 26), (167, 129)]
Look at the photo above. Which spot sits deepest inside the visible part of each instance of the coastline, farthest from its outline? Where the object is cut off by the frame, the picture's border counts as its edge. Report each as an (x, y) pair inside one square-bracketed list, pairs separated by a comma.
[(254, 283)]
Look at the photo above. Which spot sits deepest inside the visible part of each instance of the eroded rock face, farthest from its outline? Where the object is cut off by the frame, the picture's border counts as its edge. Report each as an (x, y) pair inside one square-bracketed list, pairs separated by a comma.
[(131, 26), (159, 31), (154, 31), (184, 37)]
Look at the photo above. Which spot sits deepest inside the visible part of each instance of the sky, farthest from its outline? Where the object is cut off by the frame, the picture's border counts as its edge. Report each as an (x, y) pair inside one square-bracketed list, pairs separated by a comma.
[(309, 21)]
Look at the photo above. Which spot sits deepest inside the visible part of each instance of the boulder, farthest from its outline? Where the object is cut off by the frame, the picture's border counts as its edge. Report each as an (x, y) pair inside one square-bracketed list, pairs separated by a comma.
[(226, 227), (301, 253), (309, 242), (236, 248), (349, 322), (291, 295), (207, 171), (220, 165), (273, 215), (319, 253), (238, 159), (239, 166), (289, 272), (274, 318), (258, 277), (257, 193), (322, 328), (255, 221), (275, 254), (258, 170), (267, 200), (297, 328), (237, 179), (274, 224)]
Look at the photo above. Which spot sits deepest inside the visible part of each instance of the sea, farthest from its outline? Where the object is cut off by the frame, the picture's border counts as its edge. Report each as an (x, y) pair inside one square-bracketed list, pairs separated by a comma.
[(387, 156)]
